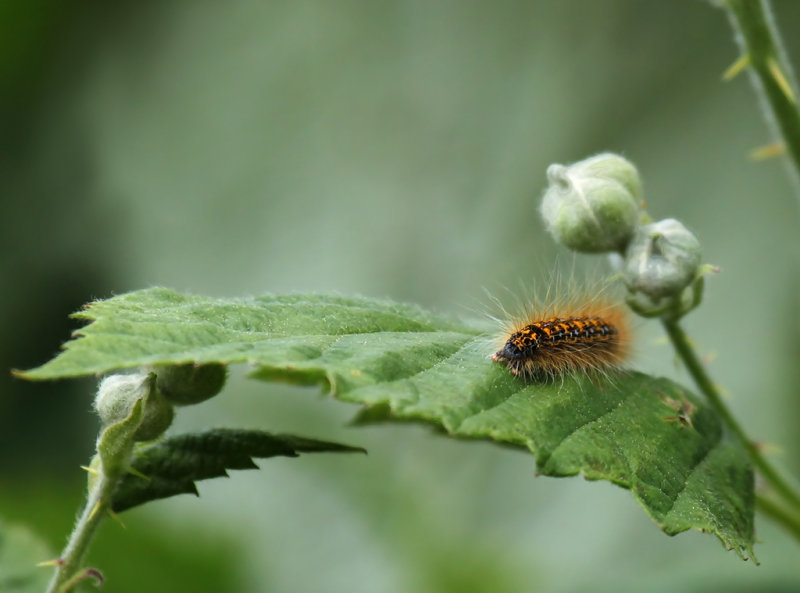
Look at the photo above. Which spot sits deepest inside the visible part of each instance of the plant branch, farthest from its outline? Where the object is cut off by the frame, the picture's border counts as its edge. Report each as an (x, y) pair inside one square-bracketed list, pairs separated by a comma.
[(698, 372), (780, 515), (771, 71), (71, 561), (114, 450)]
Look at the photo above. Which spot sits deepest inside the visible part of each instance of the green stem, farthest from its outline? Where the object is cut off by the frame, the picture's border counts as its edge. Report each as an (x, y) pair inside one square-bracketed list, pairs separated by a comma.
[(698, 372), (75, 553), (114, 451), (759, 40), (780, 515)]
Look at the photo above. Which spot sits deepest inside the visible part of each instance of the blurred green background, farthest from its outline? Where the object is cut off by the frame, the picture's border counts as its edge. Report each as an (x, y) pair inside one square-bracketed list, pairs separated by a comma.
[(393, 149)]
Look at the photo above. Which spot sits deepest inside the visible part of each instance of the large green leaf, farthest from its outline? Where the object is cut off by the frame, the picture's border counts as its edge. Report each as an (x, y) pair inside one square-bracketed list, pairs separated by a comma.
[(173, 465), (158, 326), (644, 433)]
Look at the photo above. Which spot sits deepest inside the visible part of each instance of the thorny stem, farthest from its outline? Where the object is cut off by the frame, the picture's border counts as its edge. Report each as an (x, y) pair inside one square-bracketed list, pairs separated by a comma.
[(75, 553), (698, 372), (774, 81), (771, 71), (114, 448)]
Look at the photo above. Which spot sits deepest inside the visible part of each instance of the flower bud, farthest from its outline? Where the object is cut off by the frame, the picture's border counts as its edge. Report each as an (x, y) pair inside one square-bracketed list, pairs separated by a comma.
[(188, 384), (593, 205), (662, 259), (117, 395)]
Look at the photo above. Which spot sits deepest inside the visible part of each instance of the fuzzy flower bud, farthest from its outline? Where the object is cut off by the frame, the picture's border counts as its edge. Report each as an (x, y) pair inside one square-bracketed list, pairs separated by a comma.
[(117, 395), (662, 259), (188, 384), (593, 205)]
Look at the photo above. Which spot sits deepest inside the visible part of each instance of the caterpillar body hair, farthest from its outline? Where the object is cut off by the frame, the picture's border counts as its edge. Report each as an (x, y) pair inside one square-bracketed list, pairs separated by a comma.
[(588, 334)]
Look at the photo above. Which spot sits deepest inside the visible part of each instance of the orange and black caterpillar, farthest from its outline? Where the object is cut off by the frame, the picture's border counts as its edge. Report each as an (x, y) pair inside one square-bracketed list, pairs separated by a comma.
[(594, 339)]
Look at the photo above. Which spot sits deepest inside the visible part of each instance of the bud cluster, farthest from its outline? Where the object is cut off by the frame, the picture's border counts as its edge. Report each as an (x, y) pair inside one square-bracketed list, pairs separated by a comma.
[(159, 391), (596, 206), (139, 407)]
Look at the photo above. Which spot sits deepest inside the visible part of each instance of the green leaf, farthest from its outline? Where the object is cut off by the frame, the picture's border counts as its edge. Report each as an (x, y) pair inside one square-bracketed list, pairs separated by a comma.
[(644, 433), (159, 326), (173, 465), (20, 552)]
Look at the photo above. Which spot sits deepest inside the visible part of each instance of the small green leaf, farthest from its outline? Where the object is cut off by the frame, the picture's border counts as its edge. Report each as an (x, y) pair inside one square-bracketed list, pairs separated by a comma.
[(643, 433), (20, 552), (172, 466)]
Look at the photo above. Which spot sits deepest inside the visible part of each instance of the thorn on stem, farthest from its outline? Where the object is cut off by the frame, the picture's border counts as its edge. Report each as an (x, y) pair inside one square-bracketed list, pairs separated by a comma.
[(736, 68), (768, 151), (709, 357), (780, 79), (135, 472), (91, 470), (53, 562), (95, 509), (768, 448), (116, 518)]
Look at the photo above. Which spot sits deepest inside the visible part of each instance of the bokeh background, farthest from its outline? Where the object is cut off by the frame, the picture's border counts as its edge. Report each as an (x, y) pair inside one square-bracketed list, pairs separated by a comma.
[(393, 149)]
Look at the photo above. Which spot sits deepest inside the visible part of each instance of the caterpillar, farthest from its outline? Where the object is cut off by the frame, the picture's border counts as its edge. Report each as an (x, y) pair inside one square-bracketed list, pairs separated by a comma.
[(583, 335)]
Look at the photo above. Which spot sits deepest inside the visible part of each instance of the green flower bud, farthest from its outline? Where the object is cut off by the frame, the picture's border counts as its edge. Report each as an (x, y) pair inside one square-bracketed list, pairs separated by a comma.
[(593, 205), (116, 396), (188, 384), (662, 259)]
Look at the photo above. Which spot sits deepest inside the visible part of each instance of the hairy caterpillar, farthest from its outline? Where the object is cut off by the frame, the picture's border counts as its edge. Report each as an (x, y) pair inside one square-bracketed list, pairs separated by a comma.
[(582, 334)]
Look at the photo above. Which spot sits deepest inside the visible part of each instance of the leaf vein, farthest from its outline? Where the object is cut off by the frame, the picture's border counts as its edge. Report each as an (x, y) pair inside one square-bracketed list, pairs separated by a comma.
[(693, 469), (627, 396)]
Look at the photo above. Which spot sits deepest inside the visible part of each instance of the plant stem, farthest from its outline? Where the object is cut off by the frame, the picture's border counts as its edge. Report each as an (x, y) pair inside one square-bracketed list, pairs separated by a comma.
[(93, 514), (114, 450), (780, 515), (771, 71), (698, 372)]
